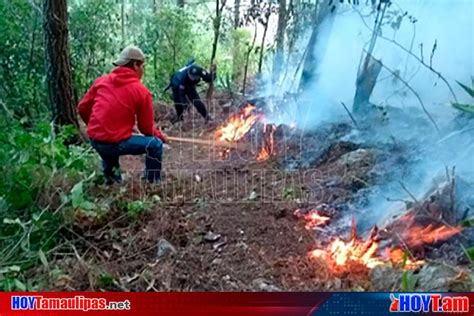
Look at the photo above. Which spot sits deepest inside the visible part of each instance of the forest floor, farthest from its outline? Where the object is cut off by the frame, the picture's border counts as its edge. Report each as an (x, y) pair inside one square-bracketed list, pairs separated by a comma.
[(213, 224)]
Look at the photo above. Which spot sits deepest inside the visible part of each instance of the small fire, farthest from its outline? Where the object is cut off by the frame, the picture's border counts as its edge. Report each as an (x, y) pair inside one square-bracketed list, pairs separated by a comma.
[(313, 218), (397, 256), (268, 146), (341, 255), (416, 235), (263, 154), (224, 154), (238, 125)]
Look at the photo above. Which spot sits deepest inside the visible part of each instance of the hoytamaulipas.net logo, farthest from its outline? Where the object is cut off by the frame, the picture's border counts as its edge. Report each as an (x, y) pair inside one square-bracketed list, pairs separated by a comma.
[(436, 303), (76, 303)]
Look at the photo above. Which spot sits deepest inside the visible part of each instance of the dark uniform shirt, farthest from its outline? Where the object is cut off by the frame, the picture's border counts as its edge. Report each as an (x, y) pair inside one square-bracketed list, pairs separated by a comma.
[(191, 76)]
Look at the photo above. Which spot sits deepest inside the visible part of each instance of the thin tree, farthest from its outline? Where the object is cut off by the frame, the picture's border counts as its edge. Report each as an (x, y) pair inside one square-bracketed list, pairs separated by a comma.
[(370, 68), (220, 4), (322, 10), (236, 14), (265, 21), (122, 21), (58, 69), (280, 40), (247, 58)]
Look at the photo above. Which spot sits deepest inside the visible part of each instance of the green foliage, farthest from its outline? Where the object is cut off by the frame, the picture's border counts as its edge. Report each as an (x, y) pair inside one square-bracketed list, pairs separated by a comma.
[(409, 279), (201, 203), (136, 208), (78, 198), (37, 165), (45, 177), (95, 30), (469, 90), (10, 279), (168, 43), (30, 158), (22, 60), (466, 108), (241, 40), (468, 223), (470, 253), (106, 280)]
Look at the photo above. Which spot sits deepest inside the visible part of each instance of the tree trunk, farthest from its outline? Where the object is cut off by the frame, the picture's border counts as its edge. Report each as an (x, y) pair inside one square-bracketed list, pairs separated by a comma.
[(58, 68), (366, 80), (247, 60), (323, 9), (280, 41), (122, 21), (262, 46), (369, 69), (236, 14), (220, 4), (217, 25)]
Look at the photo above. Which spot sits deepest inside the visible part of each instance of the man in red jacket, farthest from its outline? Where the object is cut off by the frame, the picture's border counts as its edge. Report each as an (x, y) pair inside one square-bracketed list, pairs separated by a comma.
[(110, 109)]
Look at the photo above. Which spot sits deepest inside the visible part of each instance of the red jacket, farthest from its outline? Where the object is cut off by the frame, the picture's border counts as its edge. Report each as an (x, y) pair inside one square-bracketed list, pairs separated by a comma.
[(113, 105)]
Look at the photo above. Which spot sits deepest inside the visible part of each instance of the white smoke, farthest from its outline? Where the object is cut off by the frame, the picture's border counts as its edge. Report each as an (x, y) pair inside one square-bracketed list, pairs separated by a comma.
[(449, 24)]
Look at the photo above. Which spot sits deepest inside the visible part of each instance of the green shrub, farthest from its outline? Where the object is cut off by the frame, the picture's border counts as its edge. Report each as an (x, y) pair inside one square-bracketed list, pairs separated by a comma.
[(37, 167), (22, 60)]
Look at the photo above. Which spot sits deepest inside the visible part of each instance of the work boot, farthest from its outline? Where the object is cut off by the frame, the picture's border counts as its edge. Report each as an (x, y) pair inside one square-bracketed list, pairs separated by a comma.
[(208, 119), (115, 177)]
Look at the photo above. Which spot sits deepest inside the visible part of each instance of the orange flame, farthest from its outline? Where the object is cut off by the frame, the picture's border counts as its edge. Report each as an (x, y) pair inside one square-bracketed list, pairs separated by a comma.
[(268, 146), (397, 256), (416, 235), (238, 125), (419, 236), (313, 218), (263, 154), (341, 256)]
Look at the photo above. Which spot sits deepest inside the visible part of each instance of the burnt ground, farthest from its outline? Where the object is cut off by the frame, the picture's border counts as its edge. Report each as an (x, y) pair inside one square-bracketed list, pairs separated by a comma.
[(213, 224)]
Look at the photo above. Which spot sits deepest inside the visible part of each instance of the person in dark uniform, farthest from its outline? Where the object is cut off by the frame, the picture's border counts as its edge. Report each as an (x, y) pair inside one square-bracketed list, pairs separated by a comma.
[(183, 84)]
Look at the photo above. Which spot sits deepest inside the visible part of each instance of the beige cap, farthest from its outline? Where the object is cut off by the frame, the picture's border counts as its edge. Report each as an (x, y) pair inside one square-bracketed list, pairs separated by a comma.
[(129, 53)]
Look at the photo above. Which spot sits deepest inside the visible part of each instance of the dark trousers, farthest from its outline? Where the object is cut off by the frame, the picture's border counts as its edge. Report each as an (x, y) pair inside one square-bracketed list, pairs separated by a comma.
[(181, 97), (135, 145)]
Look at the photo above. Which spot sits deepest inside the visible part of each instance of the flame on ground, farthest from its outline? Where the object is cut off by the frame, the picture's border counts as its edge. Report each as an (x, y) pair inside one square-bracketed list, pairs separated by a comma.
[(400, 257), (416, 235), (312, 218), (268, 145), (341, 256), (238, 125), (263, 154)]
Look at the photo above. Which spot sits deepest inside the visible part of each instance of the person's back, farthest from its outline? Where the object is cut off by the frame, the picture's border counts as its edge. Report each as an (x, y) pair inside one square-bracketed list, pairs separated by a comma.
[(119, 96), (190, 76), (112, 106)]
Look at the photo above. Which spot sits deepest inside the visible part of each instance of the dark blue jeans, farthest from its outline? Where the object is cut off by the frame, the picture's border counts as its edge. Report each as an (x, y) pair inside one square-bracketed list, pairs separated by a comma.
[(135, 145)]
